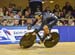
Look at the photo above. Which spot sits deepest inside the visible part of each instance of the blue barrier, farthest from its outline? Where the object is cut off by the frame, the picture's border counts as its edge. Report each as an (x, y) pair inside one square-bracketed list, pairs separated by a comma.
[(13, 34), (67, 33)]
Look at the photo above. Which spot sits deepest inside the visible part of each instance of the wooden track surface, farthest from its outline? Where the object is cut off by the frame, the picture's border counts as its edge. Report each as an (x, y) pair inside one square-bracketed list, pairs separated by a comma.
[(62, 48)]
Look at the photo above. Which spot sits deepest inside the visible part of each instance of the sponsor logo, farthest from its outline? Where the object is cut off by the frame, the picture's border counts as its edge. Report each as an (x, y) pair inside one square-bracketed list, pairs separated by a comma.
[(10, 35)]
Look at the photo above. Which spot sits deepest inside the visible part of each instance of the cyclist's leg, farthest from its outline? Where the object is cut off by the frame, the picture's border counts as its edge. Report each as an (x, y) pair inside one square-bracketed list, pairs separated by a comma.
[(50, 22)]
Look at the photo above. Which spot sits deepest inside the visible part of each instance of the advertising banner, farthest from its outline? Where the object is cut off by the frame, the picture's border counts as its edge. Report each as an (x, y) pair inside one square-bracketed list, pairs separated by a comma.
[(12, 35)]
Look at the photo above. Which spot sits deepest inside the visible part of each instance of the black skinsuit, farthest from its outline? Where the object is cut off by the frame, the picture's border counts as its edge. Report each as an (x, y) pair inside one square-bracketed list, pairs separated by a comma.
[(50, 21)]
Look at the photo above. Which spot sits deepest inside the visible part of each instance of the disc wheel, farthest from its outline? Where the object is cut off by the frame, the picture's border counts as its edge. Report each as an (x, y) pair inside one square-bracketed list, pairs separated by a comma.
[(27, 40), (52, 41)]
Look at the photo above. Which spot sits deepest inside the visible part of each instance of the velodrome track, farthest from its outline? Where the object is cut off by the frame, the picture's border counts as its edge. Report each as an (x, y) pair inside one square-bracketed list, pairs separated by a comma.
[(62, 48)]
